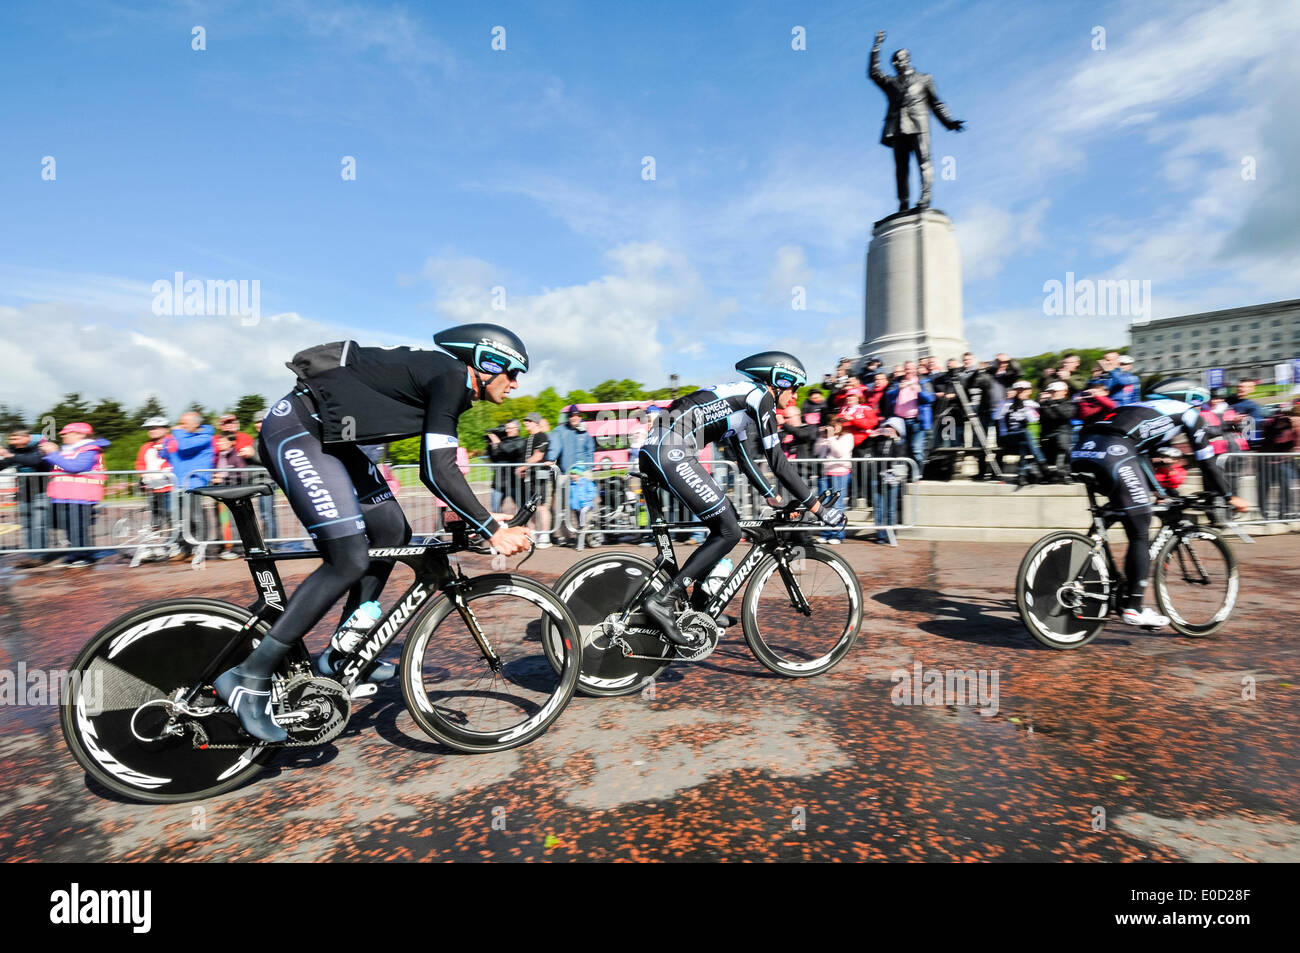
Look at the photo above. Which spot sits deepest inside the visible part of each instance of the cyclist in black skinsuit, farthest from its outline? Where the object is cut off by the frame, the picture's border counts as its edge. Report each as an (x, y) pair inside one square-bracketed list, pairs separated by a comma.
[(1114, 447), (743, 413), (348, 395)]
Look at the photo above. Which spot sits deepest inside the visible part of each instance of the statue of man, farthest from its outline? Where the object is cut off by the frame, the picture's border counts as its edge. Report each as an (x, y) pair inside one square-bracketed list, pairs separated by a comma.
[(907, 123)]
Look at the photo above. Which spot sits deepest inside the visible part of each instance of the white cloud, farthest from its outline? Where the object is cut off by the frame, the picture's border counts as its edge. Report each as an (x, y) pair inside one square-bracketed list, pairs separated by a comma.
[(988, 235), (52, 348), (579, 335)]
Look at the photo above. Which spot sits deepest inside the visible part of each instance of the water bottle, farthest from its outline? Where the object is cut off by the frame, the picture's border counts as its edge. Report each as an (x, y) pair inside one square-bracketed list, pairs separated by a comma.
[(714, 580), (350, 634)]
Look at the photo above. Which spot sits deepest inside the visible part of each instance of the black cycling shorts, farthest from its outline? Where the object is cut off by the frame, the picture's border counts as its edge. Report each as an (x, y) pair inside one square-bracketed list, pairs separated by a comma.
[(326, 486), (1120, 471), (675, 466)]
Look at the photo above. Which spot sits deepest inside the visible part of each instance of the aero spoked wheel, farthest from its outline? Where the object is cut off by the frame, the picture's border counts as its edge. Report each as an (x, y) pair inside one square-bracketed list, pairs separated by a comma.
[(113, 719), (1063, 590), (791, 642), (1196, 580), (596, 590), (498, 693)]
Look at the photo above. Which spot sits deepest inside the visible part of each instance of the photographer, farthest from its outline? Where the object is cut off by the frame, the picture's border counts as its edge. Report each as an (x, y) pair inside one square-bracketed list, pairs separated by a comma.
[(504, 446)]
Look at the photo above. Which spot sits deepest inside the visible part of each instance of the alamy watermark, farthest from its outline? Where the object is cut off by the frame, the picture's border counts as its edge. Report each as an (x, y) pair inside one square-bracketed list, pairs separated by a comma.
[(209, 298), (1090, 297), (951, 686), (24, 686)]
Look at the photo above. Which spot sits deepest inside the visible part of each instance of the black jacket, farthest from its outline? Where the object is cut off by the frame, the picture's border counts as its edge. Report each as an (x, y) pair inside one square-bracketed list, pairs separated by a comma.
[(509, 450), (29, 459), (1054, 415)]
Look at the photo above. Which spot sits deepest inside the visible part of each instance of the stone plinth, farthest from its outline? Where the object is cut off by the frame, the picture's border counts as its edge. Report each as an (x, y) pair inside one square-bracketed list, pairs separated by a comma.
[(913, 301)]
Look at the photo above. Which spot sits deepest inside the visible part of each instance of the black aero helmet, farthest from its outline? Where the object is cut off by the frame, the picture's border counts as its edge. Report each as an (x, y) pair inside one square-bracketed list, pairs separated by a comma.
[(487, 347), (777, 368), (1181, 389)]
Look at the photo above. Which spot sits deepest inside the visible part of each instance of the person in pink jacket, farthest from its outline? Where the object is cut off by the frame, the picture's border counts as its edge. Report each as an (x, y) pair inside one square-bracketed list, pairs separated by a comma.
[(76, 484)]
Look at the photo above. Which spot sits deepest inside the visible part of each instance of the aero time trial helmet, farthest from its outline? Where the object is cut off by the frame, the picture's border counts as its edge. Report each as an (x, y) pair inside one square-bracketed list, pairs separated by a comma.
[(486, 347), (777, 368), (1182, 389)]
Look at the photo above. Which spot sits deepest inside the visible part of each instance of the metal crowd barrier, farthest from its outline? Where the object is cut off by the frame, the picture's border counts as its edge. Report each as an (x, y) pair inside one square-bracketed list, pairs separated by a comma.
[(1269, 482), (137, 513), (875, 493)]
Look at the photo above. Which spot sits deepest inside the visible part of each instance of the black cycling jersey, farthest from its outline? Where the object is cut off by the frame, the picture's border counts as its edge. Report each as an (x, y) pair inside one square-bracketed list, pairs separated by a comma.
[(742, 413), (1154, 424), (363, 395)]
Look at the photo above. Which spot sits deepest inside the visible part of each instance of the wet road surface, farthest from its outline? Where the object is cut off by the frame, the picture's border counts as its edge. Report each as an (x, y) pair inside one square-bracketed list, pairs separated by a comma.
[(1139, 746)]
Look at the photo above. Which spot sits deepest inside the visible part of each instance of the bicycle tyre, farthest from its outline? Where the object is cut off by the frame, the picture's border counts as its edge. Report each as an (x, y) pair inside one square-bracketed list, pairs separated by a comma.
[(778, 651), (528, 684), (1041, 610), (592, 589), (121, 664), (1165, 601)]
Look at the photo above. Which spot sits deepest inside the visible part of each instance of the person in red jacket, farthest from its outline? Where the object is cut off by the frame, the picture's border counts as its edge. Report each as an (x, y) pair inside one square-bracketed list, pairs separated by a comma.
[(156, 475), (859, 421)]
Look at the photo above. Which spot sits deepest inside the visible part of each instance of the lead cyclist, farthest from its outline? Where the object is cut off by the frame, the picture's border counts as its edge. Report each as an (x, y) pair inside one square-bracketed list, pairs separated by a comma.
[(740, 412), (348, 395)]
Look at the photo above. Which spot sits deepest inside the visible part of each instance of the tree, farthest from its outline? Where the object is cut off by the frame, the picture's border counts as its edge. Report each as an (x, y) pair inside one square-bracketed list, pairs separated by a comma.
[(10, 419), (152, 407), (611, 390), (69, 410), (550, 404), (246, 407), (110, 420)]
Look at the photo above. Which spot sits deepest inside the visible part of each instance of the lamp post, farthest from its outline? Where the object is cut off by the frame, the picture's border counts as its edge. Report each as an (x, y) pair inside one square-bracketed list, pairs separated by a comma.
[(672, 383)]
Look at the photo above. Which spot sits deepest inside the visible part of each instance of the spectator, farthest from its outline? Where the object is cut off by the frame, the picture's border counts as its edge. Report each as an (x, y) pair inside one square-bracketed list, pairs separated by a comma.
[(1013, 419), (873, 395), (570, 444), (76, 485), (156, 477), (886, 443), (227, 459), (505, 446), (582, 499), (1242, 403), (27, 458), (859, 420), (834, 447), (1055, 413), (949, 415), (1069, 371), (912, 400), (797, 437), (1006, 371), (1278, 434), (1170, 473), (229, 425), (984, 384), (1125, 386), (814, 407), (536, 480), (190, 452)]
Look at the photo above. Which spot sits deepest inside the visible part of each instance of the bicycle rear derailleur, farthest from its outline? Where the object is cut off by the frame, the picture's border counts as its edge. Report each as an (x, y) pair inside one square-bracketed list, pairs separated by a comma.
[(312, 709)]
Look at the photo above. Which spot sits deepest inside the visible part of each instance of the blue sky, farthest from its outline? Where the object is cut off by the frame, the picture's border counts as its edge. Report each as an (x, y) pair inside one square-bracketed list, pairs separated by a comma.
[(521, 169)]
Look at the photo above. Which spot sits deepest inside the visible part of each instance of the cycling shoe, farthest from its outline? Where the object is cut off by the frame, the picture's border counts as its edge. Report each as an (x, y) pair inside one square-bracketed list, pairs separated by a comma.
[(383, 672), (249, 698)]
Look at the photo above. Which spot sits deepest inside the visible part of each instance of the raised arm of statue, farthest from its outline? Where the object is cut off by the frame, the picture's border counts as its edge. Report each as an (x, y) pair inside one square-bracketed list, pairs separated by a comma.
[(876, 74)]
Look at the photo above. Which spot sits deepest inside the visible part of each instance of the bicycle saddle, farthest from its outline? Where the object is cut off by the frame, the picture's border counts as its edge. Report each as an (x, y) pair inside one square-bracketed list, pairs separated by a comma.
[(233, 492)]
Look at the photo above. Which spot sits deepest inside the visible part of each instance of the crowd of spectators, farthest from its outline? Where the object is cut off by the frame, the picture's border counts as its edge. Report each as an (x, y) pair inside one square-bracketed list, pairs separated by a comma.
[(933, 415), (856, 434)]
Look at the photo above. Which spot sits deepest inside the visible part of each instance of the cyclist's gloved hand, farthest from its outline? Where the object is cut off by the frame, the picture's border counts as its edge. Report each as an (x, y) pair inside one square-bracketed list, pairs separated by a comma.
[(831, 517)]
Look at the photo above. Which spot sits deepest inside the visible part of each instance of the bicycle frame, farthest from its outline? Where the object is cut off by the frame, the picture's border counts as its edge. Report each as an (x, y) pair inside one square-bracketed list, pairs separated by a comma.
[(765, 541), (433, 574)]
